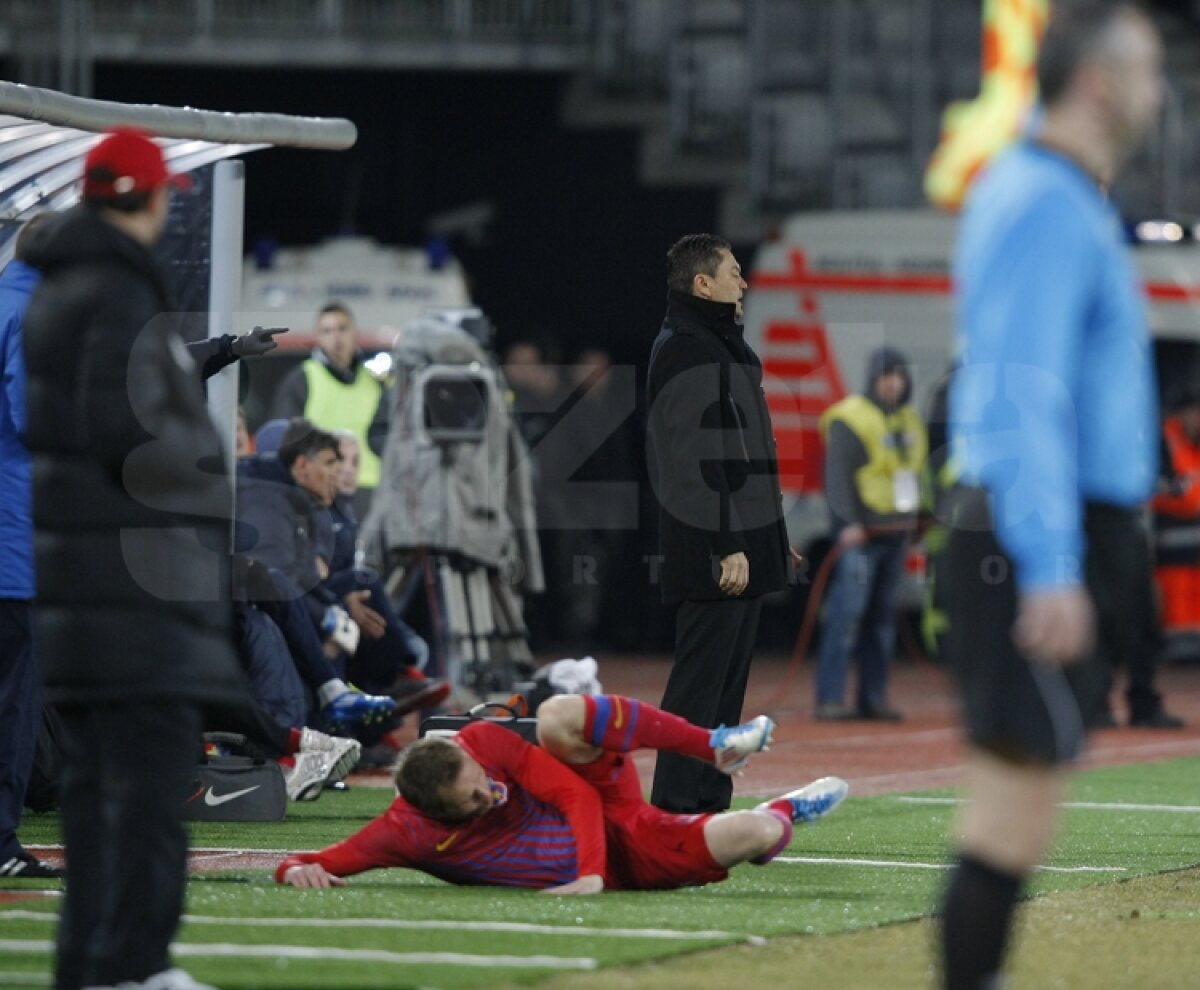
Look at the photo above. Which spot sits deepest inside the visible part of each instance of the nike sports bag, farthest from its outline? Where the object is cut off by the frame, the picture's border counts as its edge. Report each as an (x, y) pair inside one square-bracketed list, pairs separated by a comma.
[(235, 788)]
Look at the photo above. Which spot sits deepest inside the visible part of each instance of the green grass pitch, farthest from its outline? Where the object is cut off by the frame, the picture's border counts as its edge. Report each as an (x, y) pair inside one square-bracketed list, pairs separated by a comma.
[(876, 861)]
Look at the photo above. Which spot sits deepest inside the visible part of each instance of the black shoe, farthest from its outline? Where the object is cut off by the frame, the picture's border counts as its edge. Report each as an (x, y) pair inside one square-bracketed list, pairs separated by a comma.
[(880, 713), (1158, 720), (24, 866)]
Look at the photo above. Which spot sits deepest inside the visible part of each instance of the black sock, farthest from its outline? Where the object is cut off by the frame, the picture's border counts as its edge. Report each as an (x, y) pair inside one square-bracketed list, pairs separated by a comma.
[(976, 917)]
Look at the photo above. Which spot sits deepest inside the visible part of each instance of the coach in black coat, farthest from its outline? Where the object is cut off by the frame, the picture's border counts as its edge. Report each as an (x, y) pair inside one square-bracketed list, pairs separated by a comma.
[(722, 539), (131, 514)]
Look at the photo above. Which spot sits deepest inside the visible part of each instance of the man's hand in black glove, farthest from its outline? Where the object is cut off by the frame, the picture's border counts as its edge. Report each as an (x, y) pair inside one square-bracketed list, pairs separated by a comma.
[(252, 580), (257, 341)]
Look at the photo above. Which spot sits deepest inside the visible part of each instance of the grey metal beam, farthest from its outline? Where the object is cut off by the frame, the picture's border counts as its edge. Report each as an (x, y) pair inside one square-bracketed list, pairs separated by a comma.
[(48, 106)]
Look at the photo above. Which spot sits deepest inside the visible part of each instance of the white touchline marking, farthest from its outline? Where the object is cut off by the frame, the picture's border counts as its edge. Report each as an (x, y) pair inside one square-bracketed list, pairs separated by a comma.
[(24, 979), (51, 846), (225, 850), (474, 926), (933, 866), (201, 950), (425, 925), (1084, 805), (859, 862)]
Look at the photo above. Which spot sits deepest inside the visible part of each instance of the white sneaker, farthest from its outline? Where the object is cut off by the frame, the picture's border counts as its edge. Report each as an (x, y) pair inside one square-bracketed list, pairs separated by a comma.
[(168, 979), (173, 979), (814, 800), (307, 775), (733, 746), (341, 753)]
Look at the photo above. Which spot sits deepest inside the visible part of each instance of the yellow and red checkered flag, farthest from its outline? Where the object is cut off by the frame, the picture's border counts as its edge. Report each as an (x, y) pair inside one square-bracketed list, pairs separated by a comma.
[(973, 133)]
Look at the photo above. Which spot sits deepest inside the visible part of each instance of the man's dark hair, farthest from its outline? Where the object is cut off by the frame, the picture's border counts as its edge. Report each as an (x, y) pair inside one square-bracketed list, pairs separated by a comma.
[(335, 306), (303, 439), (424, 768), (21, 248), (692, 255), (1076, 32)]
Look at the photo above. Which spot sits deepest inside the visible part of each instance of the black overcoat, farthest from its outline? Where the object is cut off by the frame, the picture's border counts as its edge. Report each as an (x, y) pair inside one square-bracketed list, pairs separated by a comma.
[(712, 455)]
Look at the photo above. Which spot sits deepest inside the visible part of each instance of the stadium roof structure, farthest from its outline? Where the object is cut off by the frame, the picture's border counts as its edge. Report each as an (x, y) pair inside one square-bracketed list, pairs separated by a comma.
[(45, 136)]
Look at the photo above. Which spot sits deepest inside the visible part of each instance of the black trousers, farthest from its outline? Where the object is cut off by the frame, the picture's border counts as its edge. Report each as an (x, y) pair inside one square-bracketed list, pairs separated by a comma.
[(127, 770), (1020, 709), (20, 717), (714, 641), (1121, 572), (266, 736)]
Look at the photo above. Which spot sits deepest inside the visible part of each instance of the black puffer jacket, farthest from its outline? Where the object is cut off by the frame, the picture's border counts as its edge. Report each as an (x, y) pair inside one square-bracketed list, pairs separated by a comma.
[(284, 527), (131, 498), (714, 469)]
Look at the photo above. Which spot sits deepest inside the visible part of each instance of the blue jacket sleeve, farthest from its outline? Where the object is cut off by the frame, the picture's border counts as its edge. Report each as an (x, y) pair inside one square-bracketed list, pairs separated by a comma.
[(14, 376)]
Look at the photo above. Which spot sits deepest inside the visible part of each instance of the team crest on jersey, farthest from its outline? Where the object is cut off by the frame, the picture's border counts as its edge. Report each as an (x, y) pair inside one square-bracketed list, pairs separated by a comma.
[(499, 793)]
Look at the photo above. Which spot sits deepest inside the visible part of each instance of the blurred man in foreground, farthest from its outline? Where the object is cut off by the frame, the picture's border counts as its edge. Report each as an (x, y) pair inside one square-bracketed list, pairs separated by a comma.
[(1053, 418), (131, 514)]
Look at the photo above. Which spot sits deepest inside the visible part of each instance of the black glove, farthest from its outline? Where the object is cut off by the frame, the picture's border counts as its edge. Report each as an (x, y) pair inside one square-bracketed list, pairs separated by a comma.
[(252, 580), (257, 341)]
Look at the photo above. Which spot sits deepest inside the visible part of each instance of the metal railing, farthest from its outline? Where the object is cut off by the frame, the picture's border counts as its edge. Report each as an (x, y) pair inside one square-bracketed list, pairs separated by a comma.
[(631, 46), (464, 19), (73, 34), (853, 124), (830, 102)]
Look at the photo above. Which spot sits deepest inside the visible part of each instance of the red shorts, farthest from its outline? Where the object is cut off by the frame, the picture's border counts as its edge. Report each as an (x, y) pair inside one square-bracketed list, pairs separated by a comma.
[(648, 849)]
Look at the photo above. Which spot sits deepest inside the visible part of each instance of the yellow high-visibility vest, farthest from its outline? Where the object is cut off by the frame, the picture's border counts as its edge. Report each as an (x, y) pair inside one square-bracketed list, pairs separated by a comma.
[(875, 429), (333, 405)]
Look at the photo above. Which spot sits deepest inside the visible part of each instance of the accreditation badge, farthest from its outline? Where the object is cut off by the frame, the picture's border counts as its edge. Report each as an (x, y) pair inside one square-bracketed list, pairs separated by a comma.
[(906, 493)]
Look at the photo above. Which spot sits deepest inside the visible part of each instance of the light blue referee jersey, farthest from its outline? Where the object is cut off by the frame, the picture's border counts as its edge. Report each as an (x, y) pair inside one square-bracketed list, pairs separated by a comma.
[(1055, 403)]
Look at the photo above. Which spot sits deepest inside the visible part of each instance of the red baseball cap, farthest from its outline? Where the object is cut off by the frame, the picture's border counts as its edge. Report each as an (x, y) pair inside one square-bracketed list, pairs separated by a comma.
[(127, 161)]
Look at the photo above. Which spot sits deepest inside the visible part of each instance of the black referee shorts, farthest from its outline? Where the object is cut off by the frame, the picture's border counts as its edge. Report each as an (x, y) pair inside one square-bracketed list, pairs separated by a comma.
[(1015, 708)]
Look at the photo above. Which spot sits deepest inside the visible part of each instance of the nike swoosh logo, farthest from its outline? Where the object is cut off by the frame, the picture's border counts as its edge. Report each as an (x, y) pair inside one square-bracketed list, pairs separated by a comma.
[(212, 800), (446, 843)]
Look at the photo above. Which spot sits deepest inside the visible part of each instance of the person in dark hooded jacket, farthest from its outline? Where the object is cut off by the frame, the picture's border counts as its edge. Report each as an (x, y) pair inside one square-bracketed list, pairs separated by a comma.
[(875, 452), (721, 531), (132, 617)]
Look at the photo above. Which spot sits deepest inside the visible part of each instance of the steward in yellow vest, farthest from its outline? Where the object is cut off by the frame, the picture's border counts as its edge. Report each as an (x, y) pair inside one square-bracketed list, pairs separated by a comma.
[(333, 390), (875, 451), (876, 446)]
